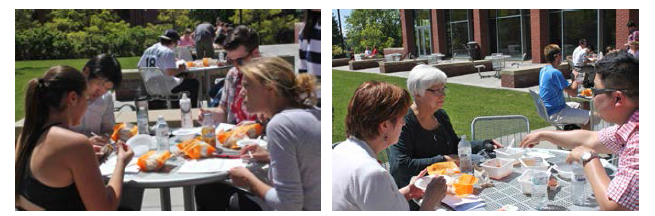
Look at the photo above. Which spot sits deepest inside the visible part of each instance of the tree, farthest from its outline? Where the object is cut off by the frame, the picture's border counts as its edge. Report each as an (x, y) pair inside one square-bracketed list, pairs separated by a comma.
[(336, 33), (179, 18), (274, 26), (373, 28)]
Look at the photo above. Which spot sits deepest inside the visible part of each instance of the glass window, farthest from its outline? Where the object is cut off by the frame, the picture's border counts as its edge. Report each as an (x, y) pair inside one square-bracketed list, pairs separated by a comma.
[(509, 36), (555, 29), (609, 30), (458, 15), (579, 24), (422, 34), (508, 12), (459, 36)]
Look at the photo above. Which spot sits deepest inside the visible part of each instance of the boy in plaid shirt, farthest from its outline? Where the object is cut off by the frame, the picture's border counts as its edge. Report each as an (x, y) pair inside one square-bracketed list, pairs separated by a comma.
[(616, 98)]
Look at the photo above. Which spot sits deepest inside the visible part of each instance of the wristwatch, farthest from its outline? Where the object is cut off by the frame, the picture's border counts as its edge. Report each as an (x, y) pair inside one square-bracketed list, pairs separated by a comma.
[(588, 156)]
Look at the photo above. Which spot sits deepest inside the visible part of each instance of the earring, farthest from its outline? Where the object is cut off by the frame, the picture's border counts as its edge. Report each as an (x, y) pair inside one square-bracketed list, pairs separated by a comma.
[(386, 137)]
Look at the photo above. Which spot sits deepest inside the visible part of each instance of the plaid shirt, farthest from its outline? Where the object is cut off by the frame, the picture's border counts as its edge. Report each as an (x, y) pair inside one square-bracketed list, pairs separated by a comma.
[(623, 140)]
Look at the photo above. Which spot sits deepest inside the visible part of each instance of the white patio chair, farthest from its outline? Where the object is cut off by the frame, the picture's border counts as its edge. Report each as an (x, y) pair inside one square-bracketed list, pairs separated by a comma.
[(159, 86)]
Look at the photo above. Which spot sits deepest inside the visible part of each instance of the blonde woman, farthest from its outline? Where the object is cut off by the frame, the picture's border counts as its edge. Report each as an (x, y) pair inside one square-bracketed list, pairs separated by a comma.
[(271, 87)]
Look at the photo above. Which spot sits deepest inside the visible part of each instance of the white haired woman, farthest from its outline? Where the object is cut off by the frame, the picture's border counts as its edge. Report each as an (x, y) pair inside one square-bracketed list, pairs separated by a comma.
[(428, 136)]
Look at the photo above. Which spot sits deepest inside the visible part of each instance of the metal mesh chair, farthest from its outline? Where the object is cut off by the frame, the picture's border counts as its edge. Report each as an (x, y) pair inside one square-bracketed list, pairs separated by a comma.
[(503, 129), (541, 110), (159, 86), (498, 63)]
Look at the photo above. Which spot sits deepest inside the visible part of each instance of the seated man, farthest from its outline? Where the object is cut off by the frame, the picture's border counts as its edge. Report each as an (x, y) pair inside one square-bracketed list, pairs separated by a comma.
[(162, 56), (551, 85), (578, 56), (241, 45), (617, 98)]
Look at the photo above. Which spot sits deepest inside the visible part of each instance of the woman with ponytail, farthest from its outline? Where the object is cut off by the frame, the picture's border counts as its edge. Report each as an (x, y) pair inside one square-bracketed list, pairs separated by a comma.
[(56, 168), (293, 134)]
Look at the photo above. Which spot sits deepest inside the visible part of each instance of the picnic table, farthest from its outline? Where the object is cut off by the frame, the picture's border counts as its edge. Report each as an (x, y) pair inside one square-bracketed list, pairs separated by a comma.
[(507, 191), (172, 177), (205, 71)]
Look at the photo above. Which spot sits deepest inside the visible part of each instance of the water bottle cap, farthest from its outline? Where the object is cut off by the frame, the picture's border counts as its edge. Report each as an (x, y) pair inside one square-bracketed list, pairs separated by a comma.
[(160, 117), (184, 96)]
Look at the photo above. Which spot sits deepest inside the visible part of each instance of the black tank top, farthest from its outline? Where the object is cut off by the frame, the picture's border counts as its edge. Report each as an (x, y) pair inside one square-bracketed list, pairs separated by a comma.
[(50, 198)]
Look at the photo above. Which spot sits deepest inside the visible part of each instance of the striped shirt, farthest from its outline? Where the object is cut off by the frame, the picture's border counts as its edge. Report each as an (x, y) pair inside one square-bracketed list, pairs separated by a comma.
[(623, 140), (310, 52)]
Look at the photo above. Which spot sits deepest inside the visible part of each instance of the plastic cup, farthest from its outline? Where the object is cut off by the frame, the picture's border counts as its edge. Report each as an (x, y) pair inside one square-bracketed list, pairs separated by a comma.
[(205, 62)]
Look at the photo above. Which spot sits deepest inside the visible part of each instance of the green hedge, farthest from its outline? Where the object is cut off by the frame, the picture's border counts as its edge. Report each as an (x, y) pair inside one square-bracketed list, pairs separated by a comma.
[(121, 40)]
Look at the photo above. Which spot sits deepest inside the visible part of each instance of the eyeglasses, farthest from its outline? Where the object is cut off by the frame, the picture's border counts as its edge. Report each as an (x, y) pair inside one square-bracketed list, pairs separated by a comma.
[(595, 91), (238, 61), (439, 92)]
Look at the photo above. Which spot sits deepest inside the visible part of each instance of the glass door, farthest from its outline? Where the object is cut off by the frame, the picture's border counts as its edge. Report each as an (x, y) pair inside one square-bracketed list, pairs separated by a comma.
[(423, 32)]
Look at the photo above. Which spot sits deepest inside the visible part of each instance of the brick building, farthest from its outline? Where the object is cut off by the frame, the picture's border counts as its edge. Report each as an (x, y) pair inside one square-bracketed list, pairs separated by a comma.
[(512, 31)]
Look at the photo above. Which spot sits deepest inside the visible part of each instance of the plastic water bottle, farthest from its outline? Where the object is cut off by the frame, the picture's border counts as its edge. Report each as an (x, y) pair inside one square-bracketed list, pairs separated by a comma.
[(142, 115), (162, 133), (578, 182), (464, 154), (185, 109)]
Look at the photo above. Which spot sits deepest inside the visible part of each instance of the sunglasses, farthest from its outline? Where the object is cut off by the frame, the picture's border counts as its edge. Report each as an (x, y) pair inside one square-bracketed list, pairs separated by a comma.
[(439, 92), (239, 61), (595, 91)]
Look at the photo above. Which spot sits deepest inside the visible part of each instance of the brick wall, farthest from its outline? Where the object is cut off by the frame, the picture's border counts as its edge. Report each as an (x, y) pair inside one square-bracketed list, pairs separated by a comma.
[(622, 18), (388, 67), (392, 50), (539, 32), (407, 29), (363, 64), (481, 30), (438, 31)]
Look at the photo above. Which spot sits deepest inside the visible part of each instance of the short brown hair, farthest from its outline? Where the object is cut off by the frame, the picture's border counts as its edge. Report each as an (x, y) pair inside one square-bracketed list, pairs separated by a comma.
[(373, 103), (550, 51), (241, 35)]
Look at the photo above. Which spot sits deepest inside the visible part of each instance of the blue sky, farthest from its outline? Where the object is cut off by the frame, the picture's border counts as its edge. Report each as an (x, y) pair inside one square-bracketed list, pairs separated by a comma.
[(344, 14)]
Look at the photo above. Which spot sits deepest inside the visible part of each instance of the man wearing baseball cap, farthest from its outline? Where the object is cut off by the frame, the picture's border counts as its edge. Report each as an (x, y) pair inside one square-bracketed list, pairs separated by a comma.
[(162, 56)]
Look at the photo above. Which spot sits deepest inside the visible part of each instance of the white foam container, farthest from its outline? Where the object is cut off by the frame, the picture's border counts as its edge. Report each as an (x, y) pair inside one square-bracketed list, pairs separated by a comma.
[(498, 168), (510, 153), (532, 163)]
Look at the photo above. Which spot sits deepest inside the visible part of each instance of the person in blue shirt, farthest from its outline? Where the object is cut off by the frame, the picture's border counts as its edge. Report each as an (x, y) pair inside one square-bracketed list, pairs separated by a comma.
[(552, 86)]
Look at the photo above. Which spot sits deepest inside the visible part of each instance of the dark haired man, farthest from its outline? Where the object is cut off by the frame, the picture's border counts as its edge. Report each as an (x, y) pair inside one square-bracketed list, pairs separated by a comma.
[(241, 45), (616, 97)]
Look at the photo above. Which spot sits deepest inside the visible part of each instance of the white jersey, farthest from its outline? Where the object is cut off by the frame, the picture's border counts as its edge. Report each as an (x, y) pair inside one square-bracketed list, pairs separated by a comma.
[(161, 57)]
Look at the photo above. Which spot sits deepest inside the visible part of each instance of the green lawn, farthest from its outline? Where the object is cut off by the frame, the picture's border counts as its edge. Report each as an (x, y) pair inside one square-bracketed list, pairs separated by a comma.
[(463, 103), (26, 70)]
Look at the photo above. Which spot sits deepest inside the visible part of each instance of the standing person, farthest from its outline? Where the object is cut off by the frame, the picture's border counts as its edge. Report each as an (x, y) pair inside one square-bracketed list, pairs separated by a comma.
[(56, 168), (187, 40), (162, 55), (373, 123), (293, 136), (552, 86), (241, 45), (309, 40), (205, 35), (616, 98)]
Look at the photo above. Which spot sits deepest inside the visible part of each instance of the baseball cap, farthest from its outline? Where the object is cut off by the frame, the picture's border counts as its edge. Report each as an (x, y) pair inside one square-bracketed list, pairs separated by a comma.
[(170, 35)]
